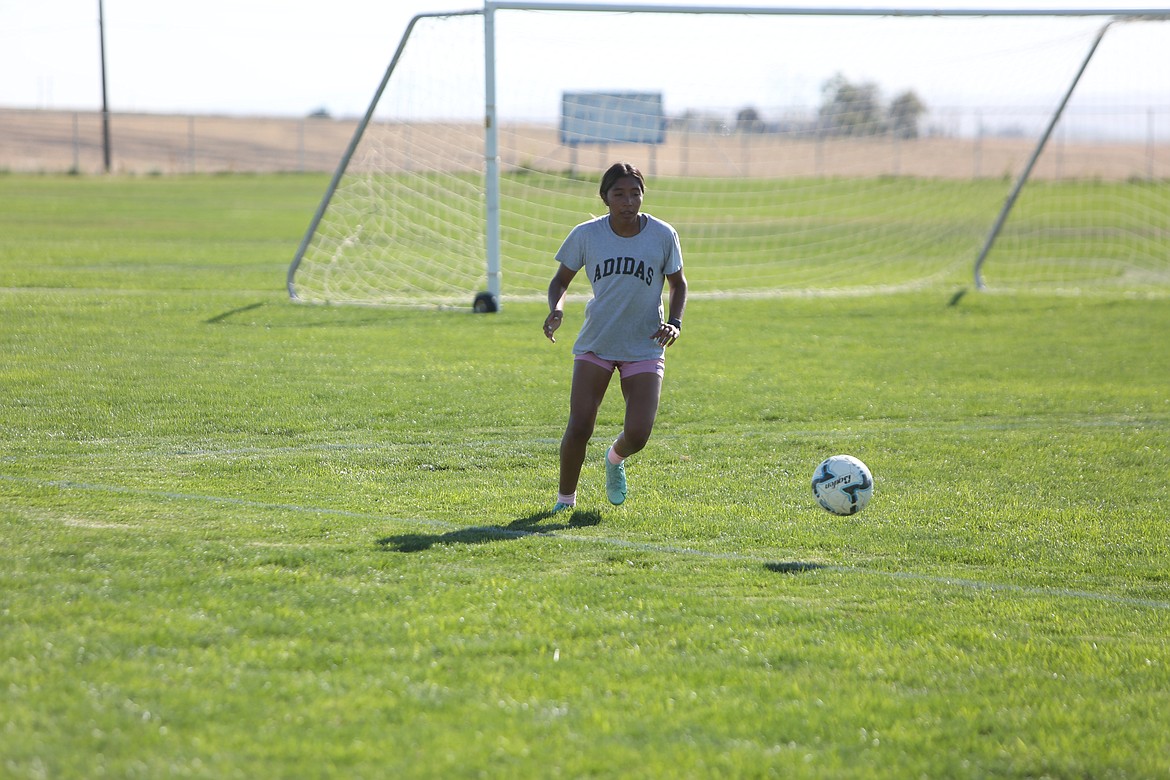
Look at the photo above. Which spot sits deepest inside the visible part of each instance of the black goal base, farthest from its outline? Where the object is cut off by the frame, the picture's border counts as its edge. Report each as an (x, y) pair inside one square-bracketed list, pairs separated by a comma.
[(485, 303)]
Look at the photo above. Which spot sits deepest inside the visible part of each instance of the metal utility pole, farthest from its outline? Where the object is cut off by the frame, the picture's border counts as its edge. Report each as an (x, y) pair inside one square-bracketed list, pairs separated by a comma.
[(105, 105)]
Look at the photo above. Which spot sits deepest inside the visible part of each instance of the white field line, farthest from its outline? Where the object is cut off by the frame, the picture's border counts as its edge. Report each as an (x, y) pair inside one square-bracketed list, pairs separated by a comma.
[(628, 544), (856, 428)]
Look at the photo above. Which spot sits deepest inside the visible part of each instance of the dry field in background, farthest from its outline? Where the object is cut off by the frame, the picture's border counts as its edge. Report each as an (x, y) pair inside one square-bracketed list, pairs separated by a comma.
[(60, 141)]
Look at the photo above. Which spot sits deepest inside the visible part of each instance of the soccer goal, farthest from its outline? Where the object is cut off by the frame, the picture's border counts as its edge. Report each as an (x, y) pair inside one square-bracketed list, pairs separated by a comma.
[(797, 151)]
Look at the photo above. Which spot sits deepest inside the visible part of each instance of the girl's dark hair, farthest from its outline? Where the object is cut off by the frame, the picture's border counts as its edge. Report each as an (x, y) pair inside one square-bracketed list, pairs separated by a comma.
[(618, 170)]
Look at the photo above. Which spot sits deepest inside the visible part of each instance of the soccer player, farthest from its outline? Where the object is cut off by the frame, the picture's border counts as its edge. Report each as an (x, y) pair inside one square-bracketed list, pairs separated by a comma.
[(627, 256)]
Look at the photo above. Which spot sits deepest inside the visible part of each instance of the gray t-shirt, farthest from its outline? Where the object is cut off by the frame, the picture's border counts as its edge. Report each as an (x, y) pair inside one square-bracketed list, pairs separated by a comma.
[(627, 275)]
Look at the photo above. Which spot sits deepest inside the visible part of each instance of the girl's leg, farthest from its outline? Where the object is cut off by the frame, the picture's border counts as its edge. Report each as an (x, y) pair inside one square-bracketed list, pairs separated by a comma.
[(642, 392), (589, 385)]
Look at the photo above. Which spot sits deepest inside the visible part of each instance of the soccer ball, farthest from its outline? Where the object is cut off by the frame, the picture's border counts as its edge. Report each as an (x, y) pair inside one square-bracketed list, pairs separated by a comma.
[(842, 484)]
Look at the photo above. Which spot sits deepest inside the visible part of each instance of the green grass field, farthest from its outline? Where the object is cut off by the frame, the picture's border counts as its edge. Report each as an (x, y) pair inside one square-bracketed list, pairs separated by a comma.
[(248, 538)]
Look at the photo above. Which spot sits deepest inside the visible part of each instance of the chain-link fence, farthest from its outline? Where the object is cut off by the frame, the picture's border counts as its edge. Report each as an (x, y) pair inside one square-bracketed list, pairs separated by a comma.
[(967, 143)]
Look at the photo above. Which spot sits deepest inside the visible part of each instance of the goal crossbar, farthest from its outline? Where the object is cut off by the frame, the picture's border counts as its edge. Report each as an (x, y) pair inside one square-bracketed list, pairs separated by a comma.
[(747, 10)]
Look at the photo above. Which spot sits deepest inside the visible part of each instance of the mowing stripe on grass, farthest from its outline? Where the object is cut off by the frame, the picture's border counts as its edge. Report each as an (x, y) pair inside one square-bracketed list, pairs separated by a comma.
[(514, 533)]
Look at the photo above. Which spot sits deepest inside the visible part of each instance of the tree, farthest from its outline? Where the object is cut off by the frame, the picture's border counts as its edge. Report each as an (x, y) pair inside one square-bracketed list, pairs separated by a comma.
[(851, 109), (904, 113), (747, 120), (856, 109)]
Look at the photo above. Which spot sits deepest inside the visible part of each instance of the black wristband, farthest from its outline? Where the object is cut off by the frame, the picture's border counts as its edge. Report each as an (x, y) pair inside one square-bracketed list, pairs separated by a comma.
[(676, 322)]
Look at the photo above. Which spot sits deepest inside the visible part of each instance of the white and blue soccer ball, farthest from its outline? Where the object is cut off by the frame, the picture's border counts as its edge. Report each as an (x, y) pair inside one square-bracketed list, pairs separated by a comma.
[(842, 484)]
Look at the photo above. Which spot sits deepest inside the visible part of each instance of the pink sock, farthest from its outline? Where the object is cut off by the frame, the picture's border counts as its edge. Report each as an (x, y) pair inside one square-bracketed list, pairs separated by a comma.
[(613, 457), (571, 498)]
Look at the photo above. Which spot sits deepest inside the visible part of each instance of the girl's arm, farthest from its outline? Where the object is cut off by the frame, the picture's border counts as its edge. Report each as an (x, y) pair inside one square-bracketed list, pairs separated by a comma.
[(668, 332), (556, 301)]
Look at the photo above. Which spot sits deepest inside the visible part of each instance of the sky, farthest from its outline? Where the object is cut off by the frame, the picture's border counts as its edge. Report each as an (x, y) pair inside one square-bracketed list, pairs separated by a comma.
[(290, 57)]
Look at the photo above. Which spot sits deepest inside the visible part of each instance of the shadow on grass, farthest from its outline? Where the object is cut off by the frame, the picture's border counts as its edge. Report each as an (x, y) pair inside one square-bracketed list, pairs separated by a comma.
[(533, 525), (794, 567), (232, 312), (296, 315)]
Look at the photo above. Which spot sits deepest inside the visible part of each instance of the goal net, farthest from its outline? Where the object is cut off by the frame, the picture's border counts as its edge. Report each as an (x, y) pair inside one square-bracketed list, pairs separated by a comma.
[(794, 152)]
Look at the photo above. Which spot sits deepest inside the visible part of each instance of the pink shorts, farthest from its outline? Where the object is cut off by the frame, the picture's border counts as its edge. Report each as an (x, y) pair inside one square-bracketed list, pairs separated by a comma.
[(626, 367)]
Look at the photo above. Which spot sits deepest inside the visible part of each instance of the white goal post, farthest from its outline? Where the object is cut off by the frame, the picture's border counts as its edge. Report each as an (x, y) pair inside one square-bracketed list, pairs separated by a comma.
[(912, 166)]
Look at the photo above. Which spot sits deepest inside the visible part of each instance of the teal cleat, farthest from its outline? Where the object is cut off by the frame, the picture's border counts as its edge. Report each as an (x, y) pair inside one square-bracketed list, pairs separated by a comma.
[(562, 507), (615, 481)]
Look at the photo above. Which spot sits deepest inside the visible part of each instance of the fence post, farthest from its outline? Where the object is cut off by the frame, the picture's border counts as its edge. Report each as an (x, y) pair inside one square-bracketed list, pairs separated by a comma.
[(1150, 143), (191, 143), (301, 146), (76, 145)]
